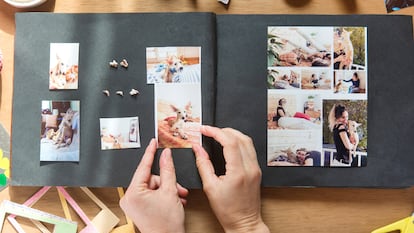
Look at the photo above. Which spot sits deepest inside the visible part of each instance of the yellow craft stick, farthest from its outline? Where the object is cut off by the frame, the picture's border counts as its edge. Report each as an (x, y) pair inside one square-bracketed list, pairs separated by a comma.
[(64, 206), (129, 227)]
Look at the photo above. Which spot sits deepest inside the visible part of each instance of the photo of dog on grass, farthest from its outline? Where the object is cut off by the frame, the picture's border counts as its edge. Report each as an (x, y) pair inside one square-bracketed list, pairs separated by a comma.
[(178, 115), (60, 130)]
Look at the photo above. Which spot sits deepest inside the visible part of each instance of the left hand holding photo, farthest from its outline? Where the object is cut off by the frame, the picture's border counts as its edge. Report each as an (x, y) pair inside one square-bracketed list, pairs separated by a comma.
[(150, 198)]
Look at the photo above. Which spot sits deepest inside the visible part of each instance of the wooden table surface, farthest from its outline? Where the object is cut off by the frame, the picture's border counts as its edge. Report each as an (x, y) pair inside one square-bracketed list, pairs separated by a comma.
[(342, 210)]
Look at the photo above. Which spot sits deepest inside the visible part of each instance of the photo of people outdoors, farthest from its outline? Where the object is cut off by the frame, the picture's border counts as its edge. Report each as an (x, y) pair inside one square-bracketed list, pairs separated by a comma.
[(345, 132)]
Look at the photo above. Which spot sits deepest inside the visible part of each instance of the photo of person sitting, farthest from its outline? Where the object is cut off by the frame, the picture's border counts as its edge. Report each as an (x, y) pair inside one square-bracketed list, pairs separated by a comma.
[(298, 120), (280, 110), (354, 88)]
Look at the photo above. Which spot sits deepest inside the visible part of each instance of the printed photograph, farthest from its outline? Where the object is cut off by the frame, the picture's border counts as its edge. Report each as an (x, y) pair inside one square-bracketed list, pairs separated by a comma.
[(294, 112), (173, 65), (64, 66), (295, 148), (60, 130), (178, 115), (119, 133), (345, 134), (280, 78), (349, 82), (299, 46), (311, 70), (349, 48), (316, 79)]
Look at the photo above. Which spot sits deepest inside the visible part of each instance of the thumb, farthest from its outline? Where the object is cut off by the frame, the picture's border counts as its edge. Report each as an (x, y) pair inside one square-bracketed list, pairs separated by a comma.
[(167, 170)]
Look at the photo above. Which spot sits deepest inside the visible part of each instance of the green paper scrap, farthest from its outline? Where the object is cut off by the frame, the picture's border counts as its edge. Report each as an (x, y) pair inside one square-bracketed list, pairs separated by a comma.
[(3, 180), (62, 225)]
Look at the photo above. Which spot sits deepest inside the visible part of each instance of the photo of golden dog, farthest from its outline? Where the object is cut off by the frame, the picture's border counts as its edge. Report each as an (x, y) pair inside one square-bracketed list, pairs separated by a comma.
[(63, 136)]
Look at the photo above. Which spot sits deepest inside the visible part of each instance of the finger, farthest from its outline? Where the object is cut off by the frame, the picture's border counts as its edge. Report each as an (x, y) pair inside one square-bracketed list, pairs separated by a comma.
[(204, 165), (247, 152), (154, 182), (183, 201), (182, 192), (143, 171), (248, 149), (228, 138), (167, 170)]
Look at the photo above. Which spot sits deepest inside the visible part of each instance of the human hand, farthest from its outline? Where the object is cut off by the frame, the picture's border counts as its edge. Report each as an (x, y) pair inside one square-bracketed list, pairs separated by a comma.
[(155, 203), (235, 196)]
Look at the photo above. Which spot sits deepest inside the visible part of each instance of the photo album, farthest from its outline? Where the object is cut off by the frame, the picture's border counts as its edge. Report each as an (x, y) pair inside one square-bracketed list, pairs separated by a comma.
[(326, 99)]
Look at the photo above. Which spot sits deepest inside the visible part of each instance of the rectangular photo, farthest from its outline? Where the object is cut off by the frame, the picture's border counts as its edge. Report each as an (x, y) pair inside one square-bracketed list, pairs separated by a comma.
[(299, 46), (283, 78), (345, 133), (63, 66), (60, 130), (119, 133), (310, 70), (294, 135), (178, 115), (350, 82), (295, 148), (349, 48), (294, 112), (173, 65), (316, 79)]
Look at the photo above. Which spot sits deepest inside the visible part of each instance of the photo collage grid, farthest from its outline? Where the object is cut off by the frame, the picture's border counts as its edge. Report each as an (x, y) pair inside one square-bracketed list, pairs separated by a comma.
[(317, 87)]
